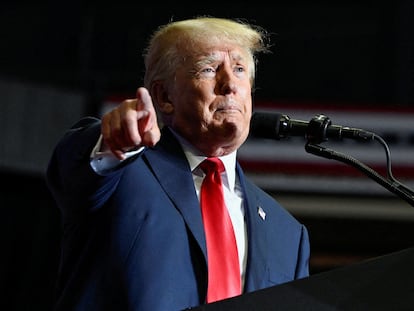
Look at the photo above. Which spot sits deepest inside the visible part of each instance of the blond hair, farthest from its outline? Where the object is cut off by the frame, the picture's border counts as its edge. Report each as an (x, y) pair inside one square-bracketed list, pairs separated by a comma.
[(162, 55)]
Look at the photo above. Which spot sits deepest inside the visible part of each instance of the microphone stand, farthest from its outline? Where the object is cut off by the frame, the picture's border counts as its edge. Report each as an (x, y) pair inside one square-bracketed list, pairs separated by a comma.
[(393, 186), (317, 133)]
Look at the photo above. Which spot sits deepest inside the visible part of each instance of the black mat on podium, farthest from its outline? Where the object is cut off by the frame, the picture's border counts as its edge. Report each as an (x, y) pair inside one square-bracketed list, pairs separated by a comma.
[(381, 283)]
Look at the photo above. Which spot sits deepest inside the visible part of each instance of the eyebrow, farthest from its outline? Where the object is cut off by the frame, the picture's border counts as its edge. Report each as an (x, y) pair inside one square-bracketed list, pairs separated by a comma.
[(211, 58)]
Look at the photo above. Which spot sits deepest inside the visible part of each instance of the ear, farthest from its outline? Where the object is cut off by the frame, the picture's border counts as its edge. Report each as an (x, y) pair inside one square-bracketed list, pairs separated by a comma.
[(160, 94)]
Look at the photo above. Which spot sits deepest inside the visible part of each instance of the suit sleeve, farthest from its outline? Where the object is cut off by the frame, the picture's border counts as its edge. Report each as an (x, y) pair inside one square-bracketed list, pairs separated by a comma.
[(75, 186)]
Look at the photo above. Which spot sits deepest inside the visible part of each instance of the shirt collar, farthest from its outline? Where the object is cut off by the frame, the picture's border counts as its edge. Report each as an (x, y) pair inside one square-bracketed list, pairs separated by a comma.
[(195, 157)]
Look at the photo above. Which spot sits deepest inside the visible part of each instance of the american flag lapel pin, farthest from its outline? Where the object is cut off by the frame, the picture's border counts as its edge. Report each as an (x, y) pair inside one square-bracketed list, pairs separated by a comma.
[(261, 212)]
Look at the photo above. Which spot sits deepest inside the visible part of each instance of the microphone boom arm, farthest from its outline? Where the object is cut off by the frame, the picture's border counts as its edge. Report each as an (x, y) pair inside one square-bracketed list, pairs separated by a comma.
[(393, 186), (320, 129)]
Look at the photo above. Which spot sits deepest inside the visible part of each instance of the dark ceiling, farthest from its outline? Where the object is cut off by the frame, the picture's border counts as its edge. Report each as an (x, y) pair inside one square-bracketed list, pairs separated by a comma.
[(328, 51)]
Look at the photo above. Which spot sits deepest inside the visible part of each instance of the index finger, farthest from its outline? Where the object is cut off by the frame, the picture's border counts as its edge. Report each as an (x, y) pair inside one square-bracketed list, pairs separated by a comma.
[(144, 101)]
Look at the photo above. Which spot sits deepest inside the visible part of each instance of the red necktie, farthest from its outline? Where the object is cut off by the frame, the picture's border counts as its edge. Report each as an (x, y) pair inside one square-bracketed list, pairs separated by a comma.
[(223, 261)]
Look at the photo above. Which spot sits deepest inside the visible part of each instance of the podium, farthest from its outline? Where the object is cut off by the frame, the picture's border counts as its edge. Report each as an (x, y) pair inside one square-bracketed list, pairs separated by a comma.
[(382, 283)]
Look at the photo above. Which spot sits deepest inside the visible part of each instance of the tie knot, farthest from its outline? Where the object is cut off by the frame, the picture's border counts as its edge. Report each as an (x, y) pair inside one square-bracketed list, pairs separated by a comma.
[(210, 165)]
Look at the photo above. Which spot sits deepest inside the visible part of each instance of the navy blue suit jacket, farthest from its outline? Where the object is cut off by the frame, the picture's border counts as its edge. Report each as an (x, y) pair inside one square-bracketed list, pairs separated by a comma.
[(133, 239)]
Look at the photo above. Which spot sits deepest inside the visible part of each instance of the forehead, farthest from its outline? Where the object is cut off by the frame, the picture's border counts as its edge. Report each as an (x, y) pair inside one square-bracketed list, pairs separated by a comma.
[(221, 56), (219, 53)]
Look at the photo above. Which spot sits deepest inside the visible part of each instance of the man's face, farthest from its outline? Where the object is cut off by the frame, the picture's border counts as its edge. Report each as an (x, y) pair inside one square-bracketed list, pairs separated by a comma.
[(212, 101)]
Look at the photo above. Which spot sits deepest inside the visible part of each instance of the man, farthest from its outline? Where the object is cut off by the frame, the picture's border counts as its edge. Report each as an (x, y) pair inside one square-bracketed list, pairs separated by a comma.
[(129, 189)]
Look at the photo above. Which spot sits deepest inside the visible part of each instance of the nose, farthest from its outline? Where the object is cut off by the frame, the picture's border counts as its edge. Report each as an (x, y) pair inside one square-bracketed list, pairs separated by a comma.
[(226, 81)]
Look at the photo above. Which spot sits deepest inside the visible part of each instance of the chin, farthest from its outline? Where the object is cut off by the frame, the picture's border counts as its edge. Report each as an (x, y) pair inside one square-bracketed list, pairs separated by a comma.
[(234, 133)]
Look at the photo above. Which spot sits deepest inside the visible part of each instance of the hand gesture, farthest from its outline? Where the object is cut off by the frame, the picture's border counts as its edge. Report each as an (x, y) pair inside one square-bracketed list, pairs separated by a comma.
[(132, 124)]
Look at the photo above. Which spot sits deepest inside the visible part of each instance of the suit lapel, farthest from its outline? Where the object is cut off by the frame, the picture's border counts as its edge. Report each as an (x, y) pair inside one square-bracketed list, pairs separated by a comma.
[(257, 236), (170, 165)]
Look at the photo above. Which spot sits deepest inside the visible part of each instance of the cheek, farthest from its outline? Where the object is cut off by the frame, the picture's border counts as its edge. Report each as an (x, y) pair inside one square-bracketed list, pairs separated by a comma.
[(246, 92), (188, 113)]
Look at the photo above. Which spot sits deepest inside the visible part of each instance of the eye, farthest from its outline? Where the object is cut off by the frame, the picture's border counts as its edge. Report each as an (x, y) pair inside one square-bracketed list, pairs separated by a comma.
[(207, 72), (239, 69), (209, 69)]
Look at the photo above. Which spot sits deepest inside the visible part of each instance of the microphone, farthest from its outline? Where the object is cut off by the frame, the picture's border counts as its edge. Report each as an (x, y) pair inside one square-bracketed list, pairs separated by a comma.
[(277, 126)]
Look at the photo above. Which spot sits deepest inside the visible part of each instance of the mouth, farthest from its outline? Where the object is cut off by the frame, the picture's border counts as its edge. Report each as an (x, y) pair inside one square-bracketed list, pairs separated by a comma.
[(228, 108)]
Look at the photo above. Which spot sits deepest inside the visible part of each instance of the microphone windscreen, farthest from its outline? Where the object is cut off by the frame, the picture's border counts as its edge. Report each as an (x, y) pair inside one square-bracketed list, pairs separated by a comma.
[(265, 125)]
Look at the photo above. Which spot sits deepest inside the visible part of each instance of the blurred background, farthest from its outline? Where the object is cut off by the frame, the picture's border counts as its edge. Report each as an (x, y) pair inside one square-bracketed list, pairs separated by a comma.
[(350, 60)]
